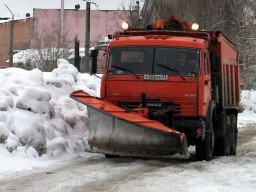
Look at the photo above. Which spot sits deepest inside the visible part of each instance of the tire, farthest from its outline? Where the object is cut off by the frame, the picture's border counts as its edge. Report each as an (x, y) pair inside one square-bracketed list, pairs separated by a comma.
[(233, 134), (110, 156), (200, 151), (219, 139), (223, 143), (204, 149), (226, 138), (210, 139)]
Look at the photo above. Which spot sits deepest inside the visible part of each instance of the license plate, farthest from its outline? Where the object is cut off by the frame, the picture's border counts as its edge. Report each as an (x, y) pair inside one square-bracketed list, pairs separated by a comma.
[(156, 77), (154, 104)]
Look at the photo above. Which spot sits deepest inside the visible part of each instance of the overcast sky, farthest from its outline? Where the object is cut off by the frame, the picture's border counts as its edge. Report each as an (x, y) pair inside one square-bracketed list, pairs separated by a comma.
[(21, 7)]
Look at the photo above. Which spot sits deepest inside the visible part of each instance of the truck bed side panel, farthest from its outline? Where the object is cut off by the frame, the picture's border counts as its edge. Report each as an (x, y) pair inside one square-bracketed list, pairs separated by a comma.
[(229, 74)]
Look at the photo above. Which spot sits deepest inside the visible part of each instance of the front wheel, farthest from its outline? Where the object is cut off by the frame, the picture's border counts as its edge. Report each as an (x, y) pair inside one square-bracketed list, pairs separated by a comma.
[(110, 156), (204, 149)]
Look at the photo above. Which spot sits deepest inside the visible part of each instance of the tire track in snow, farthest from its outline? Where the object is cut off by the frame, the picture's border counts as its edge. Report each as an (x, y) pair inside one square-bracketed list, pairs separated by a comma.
[(136, 169), (244, 138), (96, 173)]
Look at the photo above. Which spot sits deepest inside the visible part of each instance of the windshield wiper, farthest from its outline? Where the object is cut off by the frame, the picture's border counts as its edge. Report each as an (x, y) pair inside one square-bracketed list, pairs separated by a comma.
[(124, 69), (171, 69)]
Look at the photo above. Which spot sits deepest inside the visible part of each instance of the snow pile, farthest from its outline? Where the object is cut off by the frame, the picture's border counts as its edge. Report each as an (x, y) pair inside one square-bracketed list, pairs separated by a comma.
[(248, 106), (6, 100), (248, 100), (32, 55), (4, 132), (23, 56), (37, 116)]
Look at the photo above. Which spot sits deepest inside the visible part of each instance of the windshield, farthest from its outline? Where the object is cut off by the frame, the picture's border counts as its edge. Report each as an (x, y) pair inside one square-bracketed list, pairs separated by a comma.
[(154, 60)]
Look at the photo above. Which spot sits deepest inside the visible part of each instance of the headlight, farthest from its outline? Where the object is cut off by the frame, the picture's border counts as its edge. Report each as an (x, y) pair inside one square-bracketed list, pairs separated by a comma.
[(195, 27), (125, 26)]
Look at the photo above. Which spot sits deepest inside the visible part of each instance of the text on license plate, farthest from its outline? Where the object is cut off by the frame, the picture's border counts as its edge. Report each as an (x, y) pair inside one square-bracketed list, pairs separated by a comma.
[(156, 77)]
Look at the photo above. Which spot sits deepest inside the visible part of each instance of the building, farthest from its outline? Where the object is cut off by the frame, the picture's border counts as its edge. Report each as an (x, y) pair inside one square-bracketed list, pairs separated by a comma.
[(21, 35), (31, 32)]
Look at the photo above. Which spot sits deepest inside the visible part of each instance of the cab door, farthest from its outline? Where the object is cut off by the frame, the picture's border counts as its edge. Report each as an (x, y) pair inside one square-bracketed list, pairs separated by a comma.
[(205, 85)]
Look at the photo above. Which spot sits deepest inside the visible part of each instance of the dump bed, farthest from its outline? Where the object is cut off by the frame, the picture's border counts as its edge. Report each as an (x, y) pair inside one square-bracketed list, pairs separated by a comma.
[(225, 73), (230, 74)]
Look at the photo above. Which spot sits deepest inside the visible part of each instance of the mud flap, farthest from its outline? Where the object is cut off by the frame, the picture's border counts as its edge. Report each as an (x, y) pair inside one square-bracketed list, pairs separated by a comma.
[(112, 130)]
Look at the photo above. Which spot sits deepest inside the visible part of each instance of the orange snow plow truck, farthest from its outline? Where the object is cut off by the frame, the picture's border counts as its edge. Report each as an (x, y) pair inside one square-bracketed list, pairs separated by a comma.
[(165, 88)]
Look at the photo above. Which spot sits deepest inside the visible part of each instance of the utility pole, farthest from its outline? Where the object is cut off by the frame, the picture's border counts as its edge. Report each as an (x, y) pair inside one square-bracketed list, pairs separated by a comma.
[(11, 38), (61, 24), (85, 67), (77, 53), (87, 37)]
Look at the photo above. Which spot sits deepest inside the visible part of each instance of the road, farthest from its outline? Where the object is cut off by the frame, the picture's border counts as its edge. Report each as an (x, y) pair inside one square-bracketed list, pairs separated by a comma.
[(96, 173)]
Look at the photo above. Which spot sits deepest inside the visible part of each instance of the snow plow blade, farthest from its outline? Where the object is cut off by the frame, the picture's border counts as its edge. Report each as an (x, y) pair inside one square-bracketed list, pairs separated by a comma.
[(114, 131)]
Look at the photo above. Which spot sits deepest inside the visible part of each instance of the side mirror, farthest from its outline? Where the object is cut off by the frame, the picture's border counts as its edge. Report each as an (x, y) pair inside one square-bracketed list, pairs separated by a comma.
[(94, 53), (93, 65), (93, 59)]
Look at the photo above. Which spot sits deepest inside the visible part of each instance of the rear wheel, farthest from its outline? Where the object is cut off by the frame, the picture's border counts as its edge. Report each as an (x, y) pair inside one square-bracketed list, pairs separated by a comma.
[(226, 144), (226, 138), (233, 135)]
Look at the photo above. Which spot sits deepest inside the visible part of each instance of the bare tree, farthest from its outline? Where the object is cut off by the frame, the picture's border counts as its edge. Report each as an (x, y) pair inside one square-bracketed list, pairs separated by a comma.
[(47, 48), (157, 10)]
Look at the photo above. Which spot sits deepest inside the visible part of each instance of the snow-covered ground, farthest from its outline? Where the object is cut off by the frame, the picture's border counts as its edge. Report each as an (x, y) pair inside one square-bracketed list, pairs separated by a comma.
[(42, 127)]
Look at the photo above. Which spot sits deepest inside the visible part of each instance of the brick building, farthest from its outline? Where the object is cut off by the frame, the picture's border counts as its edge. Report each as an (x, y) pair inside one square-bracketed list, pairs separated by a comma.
[(102, 23), (21, 41)]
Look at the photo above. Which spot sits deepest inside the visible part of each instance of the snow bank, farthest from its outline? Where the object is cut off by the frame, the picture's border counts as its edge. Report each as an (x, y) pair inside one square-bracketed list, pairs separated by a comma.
[(6, 100), (248, 100), (248, 106), (37, 116), (4, 132)]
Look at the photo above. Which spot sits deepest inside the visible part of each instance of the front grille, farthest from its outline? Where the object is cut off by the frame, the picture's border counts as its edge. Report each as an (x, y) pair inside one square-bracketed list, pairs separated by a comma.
[(151, 104), (181, 108)]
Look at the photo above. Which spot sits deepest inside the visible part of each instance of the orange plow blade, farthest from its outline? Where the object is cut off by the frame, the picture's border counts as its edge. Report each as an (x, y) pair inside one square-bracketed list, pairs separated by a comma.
[(112, 130)]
